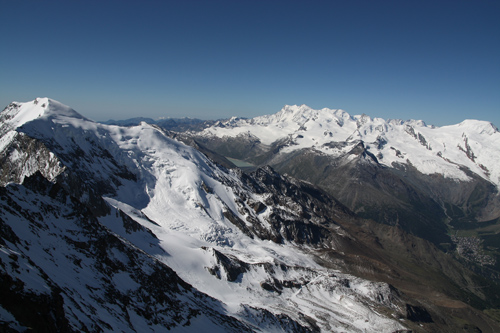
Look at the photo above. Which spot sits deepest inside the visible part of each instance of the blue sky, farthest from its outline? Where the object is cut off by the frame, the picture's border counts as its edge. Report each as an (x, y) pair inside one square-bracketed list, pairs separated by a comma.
[(438, 61)]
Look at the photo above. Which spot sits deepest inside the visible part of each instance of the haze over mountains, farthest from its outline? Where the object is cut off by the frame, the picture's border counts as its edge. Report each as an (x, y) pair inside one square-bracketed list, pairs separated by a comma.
[(134, 228)]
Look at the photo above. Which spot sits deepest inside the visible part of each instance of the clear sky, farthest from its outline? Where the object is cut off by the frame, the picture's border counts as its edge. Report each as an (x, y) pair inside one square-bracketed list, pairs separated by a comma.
[(438, 61)]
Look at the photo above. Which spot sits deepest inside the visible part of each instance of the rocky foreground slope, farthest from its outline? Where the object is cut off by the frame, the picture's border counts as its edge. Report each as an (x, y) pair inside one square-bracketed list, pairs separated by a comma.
[(115, 228)]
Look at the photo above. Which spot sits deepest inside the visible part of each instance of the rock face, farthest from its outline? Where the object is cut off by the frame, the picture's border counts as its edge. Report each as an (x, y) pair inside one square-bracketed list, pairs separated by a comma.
[(63, 270), (125, 229)]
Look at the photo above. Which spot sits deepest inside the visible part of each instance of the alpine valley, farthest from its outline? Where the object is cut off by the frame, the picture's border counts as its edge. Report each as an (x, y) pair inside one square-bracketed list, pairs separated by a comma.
[(302, 221)]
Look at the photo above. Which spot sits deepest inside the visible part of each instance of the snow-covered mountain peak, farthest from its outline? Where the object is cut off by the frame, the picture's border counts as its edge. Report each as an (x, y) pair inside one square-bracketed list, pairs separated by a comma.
[(17, 114), (295, 108), (416, 123), (478, 126), (20, 125), (300, 113), (289, 113)]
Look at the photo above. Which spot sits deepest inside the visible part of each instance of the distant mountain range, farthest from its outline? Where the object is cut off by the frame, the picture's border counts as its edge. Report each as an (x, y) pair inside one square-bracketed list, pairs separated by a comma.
[(336, 223), (434, 182), (172, 124)]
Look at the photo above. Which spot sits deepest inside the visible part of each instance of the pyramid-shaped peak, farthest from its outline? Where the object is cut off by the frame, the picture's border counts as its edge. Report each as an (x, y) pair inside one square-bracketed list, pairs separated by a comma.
[(55, 108), (17, 114)]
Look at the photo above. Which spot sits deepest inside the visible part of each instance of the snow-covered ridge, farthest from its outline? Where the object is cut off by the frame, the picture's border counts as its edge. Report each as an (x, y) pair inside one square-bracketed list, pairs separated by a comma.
[(472, 144), (20, 113), (17, 114), (27, 156)]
